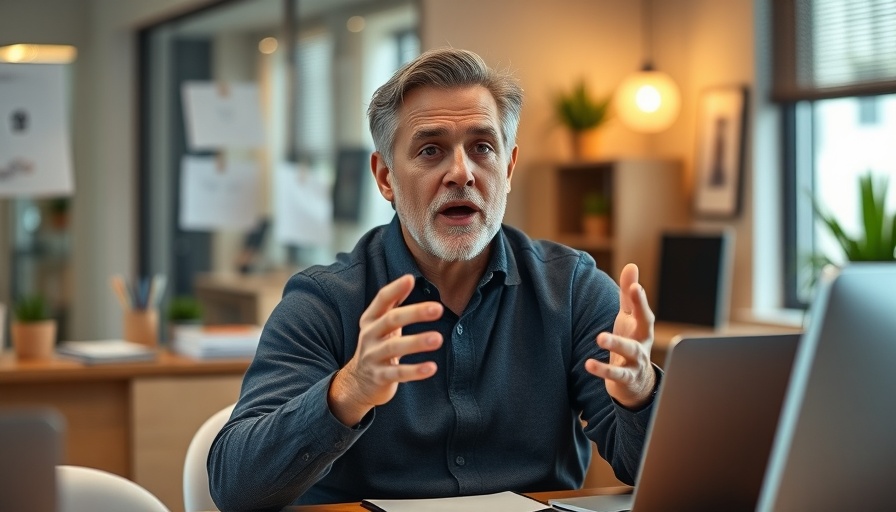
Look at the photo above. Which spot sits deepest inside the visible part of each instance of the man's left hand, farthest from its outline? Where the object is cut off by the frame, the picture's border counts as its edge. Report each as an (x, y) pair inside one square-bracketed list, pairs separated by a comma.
[(629, 376)]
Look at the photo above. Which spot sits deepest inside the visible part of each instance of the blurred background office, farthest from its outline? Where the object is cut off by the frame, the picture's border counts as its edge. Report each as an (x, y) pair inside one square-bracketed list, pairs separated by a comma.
[(315, 64)]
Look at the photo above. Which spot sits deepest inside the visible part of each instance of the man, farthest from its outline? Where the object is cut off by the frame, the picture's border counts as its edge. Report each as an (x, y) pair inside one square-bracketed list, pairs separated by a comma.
[(446, 354)]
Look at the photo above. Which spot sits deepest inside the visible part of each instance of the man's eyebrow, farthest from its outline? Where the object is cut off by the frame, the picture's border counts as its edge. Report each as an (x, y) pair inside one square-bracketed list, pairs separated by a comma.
[(484, 130), (428, 133)]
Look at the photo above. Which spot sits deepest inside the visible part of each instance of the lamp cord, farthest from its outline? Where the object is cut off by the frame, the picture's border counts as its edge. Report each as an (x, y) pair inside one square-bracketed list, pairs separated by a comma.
[(646, 33)]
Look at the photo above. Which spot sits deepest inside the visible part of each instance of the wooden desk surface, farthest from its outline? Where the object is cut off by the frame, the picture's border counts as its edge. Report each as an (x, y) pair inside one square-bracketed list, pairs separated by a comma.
[(61, 369), (540, 496)]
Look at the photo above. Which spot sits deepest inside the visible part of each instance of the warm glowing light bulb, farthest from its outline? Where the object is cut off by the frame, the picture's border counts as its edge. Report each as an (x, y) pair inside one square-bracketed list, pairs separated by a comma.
[(19, 53), (647, 101), (355, 24), (267, 45)]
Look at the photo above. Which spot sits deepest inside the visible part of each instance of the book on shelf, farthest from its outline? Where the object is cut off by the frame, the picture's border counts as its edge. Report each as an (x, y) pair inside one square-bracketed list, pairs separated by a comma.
[(217, 341), (106, 351)]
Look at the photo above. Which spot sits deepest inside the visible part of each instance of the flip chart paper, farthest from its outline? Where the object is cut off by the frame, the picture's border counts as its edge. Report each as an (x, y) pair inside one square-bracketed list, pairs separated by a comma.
[(222, 115), (35, 152), (304, 207), (218, 197)]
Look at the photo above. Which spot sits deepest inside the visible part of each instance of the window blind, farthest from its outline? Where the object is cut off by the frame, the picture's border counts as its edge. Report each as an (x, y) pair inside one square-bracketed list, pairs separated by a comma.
[(833, 48)]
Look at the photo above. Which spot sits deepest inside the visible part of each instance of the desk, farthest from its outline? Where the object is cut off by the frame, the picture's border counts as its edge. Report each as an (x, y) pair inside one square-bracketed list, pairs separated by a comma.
[(540, 496), (132, 419)]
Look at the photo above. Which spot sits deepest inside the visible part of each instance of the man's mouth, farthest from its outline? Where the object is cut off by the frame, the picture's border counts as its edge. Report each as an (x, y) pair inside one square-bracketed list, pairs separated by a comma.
[(458, 210)]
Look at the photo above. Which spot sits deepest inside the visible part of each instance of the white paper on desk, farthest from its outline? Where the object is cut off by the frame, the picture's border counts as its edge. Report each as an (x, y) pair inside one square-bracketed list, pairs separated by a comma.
[(304, 207), (35, 151), (222, 115), (218, 196), (500, 502)]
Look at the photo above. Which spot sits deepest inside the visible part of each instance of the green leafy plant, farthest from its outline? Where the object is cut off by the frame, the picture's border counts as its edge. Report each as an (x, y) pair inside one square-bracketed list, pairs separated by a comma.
[(595, 203), (877, 240), (579, 110), (184, 308), (30, 309)]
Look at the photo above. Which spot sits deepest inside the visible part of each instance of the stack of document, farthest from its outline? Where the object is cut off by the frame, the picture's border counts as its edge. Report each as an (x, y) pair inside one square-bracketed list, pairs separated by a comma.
[(499, 502), (106, 351), (217, 341)]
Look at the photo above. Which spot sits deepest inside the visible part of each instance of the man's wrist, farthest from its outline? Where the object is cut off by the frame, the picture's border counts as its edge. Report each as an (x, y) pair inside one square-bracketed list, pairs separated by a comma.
[(341, 402)]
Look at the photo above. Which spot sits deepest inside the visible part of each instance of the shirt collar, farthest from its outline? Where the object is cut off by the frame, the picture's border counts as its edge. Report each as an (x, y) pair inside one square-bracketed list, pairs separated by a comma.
[(399, 260)]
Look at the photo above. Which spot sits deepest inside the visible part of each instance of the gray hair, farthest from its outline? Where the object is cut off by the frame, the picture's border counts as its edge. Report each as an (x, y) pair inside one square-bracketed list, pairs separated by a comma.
[(443, 68)]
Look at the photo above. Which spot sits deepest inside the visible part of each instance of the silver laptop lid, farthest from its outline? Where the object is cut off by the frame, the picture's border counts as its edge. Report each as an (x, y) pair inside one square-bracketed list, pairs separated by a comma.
[(836, 445), (31, 448), (715, 422)]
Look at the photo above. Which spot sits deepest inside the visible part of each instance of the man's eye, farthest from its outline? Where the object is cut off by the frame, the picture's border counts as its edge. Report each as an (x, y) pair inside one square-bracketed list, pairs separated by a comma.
[(429, 151), (482, 148)]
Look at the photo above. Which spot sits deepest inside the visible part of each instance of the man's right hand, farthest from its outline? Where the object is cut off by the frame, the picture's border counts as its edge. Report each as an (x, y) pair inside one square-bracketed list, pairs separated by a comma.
[(372, 375)]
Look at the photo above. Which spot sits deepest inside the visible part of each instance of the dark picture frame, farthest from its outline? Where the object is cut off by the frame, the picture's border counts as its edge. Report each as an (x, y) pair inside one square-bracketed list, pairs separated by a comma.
[(721, 137)]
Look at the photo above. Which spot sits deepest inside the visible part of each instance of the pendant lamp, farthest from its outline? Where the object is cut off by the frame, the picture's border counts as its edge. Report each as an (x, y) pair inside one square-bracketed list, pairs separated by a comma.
[(647, 101)]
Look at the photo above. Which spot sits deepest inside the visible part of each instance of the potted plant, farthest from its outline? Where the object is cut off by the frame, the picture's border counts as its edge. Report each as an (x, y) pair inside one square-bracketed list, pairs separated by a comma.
[(876, 240), (596, 215), (184, 312), (33, 330), (582, 114)]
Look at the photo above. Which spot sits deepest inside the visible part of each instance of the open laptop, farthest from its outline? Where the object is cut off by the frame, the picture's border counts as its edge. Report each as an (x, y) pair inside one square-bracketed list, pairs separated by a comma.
[(713, 427), (30, 449), (836, 444)]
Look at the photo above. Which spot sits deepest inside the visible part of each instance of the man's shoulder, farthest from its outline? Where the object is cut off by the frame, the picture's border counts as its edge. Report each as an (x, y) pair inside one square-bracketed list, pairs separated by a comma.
[(350, 268), (542, 250)]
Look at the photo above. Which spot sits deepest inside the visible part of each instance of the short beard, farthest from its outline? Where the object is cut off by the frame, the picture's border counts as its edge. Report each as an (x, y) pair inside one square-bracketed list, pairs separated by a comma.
[(461, 243)]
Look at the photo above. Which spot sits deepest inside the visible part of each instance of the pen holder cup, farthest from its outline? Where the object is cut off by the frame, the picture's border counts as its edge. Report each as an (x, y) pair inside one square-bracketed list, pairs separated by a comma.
[(142, 326)]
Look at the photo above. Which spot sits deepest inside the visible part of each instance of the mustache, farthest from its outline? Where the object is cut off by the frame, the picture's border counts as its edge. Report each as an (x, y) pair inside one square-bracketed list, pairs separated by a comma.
[(462, 194)]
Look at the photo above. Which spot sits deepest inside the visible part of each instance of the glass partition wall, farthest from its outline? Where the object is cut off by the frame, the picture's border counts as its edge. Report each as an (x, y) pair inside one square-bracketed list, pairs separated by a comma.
[(312, 65)]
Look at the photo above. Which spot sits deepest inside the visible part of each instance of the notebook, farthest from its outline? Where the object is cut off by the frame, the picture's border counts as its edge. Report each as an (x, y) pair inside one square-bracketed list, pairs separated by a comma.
[(712, 429), (836, 444), (31, 448)]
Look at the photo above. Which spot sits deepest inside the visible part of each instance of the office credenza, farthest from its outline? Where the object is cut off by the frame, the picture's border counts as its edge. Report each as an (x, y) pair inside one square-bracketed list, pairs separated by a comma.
[(133, 419)]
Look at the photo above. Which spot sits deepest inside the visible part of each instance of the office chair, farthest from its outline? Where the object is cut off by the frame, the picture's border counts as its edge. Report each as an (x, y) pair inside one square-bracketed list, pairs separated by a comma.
[(83, 489), (196, 493)]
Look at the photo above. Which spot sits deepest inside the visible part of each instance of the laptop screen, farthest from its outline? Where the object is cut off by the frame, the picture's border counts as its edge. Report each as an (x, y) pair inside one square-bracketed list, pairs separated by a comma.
[(31, 447)]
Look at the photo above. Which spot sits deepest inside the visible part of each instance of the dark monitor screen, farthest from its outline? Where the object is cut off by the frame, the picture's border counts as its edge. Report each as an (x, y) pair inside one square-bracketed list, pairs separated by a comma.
[(694, 273)]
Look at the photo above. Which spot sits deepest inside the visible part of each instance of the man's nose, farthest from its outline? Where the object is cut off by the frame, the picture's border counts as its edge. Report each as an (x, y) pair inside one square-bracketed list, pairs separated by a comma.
[(461, 171)]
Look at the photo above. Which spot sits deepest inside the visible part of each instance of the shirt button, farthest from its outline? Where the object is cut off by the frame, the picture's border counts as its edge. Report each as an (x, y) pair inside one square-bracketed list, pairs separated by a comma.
[(305, 457), (460, 461), (427, 291), (460, 329)]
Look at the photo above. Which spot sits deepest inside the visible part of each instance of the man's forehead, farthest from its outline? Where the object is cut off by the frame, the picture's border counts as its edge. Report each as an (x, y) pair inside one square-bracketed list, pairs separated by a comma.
[(426, 107)]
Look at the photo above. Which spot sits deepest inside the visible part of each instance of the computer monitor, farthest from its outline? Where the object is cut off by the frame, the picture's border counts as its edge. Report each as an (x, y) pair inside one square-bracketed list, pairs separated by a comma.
[(694, 277), (835, 447)]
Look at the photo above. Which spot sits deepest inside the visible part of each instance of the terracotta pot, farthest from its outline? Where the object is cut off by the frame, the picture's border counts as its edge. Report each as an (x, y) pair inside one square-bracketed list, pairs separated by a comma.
[(596, 226), (34, 340)]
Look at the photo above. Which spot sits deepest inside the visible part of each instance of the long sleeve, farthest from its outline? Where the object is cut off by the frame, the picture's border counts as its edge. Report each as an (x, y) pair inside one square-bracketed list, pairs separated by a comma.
[(619, 433), (282, 438)]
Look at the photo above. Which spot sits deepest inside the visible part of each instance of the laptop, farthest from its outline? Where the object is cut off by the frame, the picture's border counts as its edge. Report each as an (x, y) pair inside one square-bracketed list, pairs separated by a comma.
[(31, 448), (836, 444), (713, 427)]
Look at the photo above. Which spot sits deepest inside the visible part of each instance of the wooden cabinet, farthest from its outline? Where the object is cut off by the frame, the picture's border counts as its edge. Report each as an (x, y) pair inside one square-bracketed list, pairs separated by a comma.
[(645, 196)]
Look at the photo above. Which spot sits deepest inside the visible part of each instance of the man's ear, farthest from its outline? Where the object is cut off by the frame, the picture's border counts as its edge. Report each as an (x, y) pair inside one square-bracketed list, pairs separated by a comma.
[(381, 175), (511, 164)]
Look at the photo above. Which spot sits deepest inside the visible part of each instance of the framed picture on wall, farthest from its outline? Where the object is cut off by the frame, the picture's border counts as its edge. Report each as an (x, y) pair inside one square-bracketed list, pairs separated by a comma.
[(721, 129)]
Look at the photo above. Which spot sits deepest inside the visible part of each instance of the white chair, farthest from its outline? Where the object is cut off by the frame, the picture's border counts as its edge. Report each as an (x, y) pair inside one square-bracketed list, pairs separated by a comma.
[(83, 489), (196, 493)]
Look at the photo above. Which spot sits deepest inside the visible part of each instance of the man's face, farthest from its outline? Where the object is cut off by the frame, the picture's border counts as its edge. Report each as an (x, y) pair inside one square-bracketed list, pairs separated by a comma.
[(450, 175)]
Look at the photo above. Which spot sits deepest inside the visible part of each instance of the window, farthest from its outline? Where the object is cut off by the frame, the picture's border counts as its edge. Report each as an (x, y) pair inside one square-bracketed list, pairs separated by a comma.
[(311, 70), (835, 78)]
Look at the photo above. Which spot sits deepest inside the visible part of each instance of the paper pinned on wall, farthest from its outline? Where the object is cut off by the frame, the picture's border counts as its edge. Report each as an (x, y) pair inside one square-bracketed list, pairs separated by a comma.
[(304, 207), (35, 151), (222, 115), (218, 195)]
